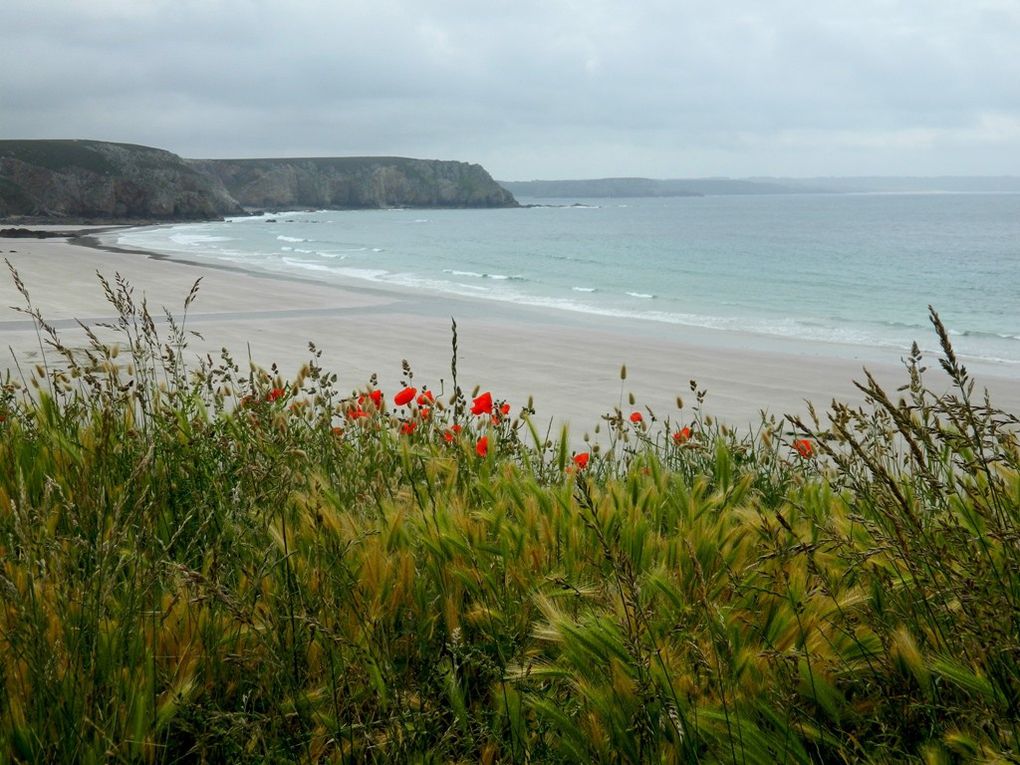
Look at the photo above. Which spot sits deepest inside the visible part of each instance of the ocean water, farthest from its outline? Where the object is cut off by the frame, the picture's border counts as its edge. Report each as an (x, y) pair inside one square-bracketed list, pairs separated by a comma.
[(854, 270)]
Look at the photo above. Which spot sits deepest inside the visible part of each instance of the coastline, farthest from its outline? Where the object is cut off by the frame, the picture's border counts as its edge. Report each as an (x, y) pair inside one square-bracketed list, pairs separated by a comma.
[(569, 364)]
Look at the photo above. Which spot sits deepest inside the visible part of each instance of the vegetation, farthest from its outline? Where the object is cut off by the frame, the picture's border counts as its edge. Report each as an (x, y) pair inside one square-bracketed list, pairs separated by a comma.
[(216, 564)]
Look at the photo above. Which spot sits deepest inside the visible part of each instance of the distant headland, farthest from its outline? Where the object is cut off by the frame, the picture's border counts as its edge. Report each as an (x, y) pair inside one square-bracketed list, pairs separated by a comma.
[(99, 181), (599, 188)]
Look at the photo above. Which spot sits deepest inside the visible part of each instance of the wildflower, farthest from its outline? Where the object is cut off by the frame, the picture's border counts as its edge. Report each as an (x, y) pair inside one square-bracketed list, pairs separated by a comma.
[(338, 432), (356, 413), (682, 436), (505, 409), (636, 417), (275, 393), (377, 398), (408, 428), (482, 446), (482, 404), (426, 397), (803, 447), (581, 460), (404, 396), (425, 412), (451, 433)]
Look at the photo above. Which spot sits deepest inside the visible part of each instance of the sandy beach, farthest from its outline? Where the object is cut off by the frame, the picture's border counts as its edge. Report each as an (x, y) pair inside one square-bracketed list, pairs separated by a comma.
[(569, 364)]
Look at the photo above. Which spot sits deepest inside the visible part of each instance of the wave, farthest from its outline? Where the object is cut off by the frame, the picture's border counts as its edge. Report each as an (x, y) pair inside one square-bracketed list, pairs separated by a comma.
[(305, 265), (193, 240), (290, 239), (477, 275), (642, 295), (584, 289)]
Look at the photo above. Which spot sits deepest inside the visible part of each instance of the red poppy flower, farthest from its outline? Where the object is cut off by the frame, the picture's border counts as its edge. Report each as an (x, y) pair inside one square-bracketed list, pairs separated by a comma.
[(275, 393), (482, 447), (482, 404), (356, 413), (581, 460), (636, 417), (377, 398), (425, 412), (404, 396), (426, 397), (803, 447), (682, 436), (408, 428), (338, 432), (505, 409), (448, 436)]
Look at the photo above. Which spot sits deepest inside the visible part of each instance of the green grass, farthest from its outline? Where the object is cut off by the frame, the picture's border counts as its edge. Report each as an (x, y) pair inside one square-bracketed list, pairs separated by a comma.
[(217, 564), (58, 154)]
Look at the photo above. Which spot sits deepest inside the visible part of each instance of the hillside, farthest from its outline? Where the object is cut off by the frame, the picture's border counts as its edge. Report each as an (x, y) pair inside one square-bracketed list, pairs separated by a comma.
[(73, 180), (96, 180), (356, 182)]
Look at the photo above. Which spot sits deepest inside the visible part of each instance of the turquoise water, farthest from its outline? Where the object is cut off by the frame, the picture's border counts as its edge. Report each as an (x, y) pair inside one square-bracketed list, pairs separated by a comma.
[(858, 270)]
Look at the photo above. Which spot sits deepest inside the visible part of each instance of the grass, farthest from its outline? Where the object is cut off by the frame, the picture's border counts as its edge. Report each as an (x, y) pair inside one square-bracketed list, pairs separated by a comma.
[(210, 563)]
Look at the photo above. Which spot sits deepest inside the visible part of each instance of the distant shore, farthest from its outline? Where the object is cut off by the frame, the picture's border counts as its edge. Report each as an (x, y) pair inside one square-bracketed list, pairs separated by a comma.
[(569, 365)]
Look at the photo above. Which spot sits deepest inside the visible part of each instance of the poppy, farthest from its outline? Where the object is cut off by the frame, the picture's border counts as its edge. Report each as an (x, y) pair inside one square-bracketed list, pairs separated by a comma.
[(803, 447), (338, 432), (482, 404), (377, 398), (425, 412), (482, 447), (682, 436), (404, 396), (581, 460), (408, 428), (636, 417), (505, 409), (426, 397), (448, 436), (275, 393), (356, 413)]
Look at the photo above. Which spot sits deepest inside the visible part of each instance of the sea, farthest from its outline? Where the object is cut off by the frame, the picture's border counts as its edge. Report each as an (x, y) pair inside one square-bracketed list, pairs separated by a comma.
[(856, 271)]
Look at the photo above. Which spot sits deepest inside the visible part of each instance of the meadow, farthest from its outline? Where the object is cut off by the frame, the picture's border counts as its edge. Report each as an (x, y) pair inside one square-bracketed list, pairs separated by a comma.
[(203, 561)]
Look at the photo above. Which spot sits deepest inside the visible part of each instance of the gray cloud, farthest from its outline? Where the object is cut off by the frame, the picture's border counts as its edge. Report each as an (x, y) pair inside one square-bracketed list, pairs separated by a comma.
[(531, 89)]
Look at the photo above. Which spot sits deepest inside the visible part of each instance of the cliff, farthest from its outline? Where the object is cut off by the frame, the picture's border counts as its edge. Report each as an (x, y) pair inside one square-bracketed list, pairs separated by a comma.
[(97, 180), (356, 182), (101, 181)]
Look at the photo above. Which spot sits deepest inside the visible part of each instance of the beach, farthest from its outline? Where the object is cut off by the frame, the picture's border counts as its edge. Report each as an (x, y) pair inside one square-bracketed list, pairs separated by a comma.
[(569, 365)]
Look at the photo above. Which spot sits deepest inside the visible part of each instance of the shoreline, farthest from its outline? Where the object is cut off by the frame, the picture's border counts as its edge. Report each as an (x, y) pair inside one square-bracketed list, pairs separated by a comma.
[(570, 365)]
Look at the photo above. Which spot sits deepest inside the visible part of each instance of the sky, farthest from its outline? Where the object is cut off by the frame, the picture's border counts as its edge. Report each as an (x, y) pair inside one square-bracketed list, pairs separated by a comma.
[(532, 89)]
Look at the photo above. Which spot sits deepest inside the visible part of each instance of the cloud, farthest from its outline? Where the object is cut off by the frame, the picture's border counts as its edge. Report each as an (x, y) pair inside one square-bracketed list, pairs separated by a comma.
[(531, 89)]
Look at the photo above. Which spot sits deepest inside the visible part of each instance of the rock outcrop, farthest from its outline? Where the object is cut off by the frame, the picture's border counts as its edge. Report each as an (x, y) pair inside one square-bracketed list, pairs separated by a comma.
[(64, 180)]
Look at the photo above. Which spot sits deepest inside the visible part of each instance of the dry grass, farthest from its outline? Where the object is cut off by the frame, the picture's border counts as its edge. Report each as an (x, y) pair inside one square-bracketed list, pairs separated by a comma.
[(196, 565)]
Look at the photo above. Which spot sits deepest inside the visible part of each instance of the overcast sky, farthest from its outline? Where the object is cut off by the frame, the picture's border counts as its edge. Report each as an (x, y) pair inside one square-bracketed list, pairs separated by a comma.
[(532, 89)]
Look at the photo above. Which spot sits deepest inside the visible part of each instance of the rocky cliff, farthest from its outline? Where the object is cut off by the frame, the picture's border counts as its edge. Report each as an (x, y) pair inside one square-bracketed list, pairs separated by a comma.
[(356, 182), (96, 180), (100, 181)]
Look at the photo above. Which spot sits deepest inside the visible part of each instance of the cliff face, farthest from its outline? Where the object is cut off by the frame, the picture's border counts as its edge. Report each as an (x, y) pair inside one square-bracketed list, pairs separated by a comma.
[(96, 180), (356, 182), (83, 180)]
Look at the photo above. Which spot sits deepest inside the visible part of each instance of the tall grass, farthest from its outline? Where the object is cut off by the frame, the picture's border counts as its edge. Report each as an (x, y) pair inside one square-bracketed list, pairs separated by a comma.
[(205, 563)]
